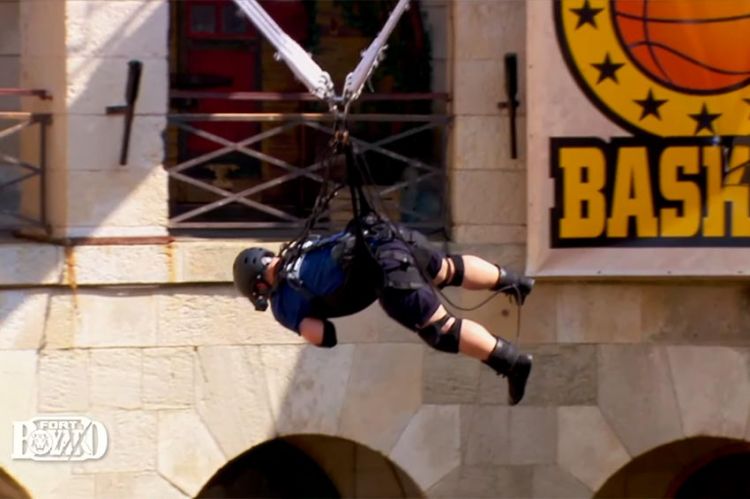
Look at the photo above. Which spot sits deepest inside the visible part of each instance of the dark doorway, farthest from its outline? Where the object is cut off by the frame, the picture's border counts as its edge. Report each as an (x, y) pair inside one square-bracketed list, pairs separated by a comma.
[(275, 469), (724, 477)]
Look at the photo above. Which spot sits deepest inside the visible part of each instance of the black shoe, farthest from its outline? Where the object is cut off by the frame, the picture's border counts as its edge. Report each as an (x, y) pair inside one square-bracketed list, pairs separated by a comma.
[(517, 378), (515, 286), (507, 361)]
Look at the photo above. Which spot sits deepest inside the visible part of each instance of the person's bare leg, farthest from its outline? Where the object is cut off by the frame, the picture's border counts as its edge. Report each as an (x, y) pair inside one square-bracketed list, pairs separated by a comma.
[(478, 273)]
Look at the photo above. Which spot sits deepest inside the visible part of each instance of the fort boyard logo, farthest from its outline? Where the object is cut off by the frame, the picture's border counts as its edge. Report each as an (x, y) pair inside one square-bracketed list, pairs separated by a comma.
[(676, 74)]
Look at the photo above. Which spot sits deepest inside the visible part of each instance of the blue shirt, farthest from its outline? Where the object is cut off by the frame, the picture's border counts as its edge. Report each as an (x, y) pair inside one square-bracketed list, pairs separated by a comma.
[(315, 274)]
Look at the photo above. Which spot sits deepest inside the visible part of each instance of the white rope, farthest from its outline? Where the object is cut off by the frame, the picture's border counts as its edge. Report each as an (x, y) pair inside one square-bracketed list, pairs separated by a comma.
[(317, 81), (371, 57)]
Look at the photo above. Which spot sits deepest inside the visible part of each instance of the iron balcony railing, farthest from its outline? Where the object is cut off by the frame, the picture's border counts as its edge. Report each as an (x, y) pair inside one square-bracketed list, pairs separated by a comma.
[(262, 170), (23, 180)]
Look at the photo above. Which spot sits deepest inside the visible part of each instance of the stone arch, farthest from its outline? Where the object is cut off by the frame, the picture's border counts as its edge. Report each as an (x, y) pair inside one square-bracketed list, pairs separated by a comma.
[(667, 469), (249, 395), (11, 489), (310, 466)]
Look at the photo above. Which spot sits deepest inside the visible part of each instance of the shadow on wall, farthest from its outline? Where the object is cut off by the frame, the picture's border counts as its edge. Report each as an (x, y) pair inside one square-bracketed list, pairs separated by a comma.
[(695, 467), (310, 466)]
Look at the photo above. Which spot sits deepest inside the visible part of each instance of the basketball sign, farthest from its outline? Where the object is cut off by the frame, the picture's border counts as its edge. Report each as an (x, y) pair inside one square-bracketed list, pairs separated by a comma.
[(662, 67), (675, 74)]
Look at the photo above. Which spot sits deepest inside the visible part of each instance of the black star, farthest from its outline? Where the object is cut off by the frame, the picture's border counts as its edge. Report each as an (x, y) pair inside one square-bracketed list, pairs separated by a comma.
[(704, 120), (650, 105), (607, 69), (586, 15)]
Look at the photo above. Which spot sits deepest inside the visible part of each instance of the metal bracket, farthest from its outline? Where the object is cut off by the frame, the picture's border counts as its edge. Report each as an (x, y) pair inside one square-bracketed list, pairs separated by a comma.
[(511, 103), (135, 69)]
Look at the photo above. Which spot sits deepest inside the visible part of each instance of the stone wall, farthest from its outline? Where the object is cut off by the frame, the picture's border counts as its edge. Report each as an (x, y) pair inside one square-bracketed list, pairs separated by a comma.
[(151, 339)]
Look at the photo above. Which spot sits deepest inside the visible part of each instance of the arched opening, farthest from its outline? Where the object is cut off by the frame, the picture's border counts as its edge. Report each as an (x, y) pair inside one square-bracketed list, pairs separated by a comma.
[(310, 466), (10, 489), (695, 467)]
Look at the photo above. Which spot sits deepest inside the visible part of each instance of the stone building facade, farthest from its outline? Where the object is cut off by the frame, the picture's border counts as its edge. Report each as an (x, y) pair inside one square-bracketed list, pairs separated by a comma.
[(635, 381)]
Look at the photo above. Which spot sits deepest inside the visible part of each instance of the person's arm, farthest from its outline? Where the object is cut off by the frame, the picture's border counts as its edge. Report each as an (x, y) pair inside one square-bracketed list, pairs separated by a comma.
[(321, 333)]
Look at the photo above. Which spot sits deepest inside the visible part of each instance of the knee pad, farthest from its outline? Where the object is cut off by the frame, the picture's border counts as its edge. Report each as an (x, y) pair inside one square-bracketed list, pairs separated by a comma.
[(444, 341), (457, 277)]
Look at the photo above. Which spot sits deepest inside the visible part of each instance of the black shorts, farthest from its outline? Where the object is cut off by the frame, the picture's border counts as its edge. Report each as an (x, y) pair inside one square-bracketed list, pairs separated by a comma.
[(411, 306)]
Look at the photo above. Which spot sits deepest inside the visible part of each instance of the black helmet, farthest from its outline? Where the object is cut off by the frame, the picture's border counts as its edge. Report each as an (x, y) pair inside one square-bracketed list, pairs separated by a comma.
[(248, 275)]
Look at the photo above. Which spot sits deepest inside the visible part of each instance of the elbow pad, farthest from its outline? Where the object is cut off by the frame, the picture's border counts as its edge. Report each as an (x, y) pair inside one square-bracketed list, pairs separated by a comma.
[(329, 335)]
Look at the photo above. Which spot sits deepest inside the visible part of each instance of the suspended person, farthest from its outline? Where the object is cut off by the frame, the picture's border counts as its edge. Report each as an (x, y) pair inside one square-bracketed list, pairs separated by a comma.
[(340, 275)]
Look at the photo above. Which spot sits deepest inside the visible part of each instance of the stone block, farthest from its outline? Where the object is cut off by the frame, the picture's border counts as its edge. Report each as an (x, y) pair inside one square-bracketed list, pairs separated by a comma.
[(489, 234), (372, 386), (130, 485), (63, 380), (539, 315), (677, 314), (125, 197), (484, 435), (599, 313), (47, 73), (563, 375), (533, 435), (18, 377), (116, 319), (483, 143), (132, 442), (709, 407), (502, 195), (168, 377), (637, 396), (372, 325), (587, 447), (42, 28), (212, 262), (124, 29), (93, 83), (188, 463), (483, 26), (306, 386), (22, 316), (94, 145), (429, 447), (32, 264), (553, 483), (466, 481), (478, 87), (183, 319), (232, 397), (450, 379), (115, 378), (72, 487), (145, 264), (61, 321)]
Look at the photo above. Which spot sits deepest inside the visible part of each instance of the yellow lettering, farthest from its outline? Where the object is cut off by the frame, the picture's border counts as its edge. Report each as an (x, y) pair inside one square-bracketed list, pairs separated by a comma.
[(718, 194), (674, 160), (580, 191), (632, 195)]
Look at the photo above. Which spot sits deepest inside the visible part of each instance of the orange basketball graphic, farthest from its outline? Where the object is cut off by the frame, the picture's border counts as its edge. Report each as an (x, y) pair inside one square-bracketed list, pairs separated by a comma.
[(693, 46)]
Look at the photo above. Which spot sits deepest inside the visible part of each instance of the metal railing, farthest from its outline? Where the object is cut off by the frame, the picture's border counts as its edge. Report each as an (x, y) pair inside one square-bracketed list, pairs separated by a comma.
[(406, 154), (26, 209)]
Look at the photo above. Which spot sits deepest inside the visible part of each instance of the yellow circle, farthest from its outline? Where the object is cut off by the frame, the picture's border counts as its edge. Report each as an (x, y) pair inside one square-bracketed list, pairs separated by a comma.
[(592, 40)]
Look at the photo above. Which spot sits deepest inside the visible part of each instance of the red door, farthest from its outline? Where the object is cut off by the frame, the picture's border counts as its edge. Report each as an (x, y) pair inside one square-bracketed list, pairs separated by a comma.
[(221, 55)]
